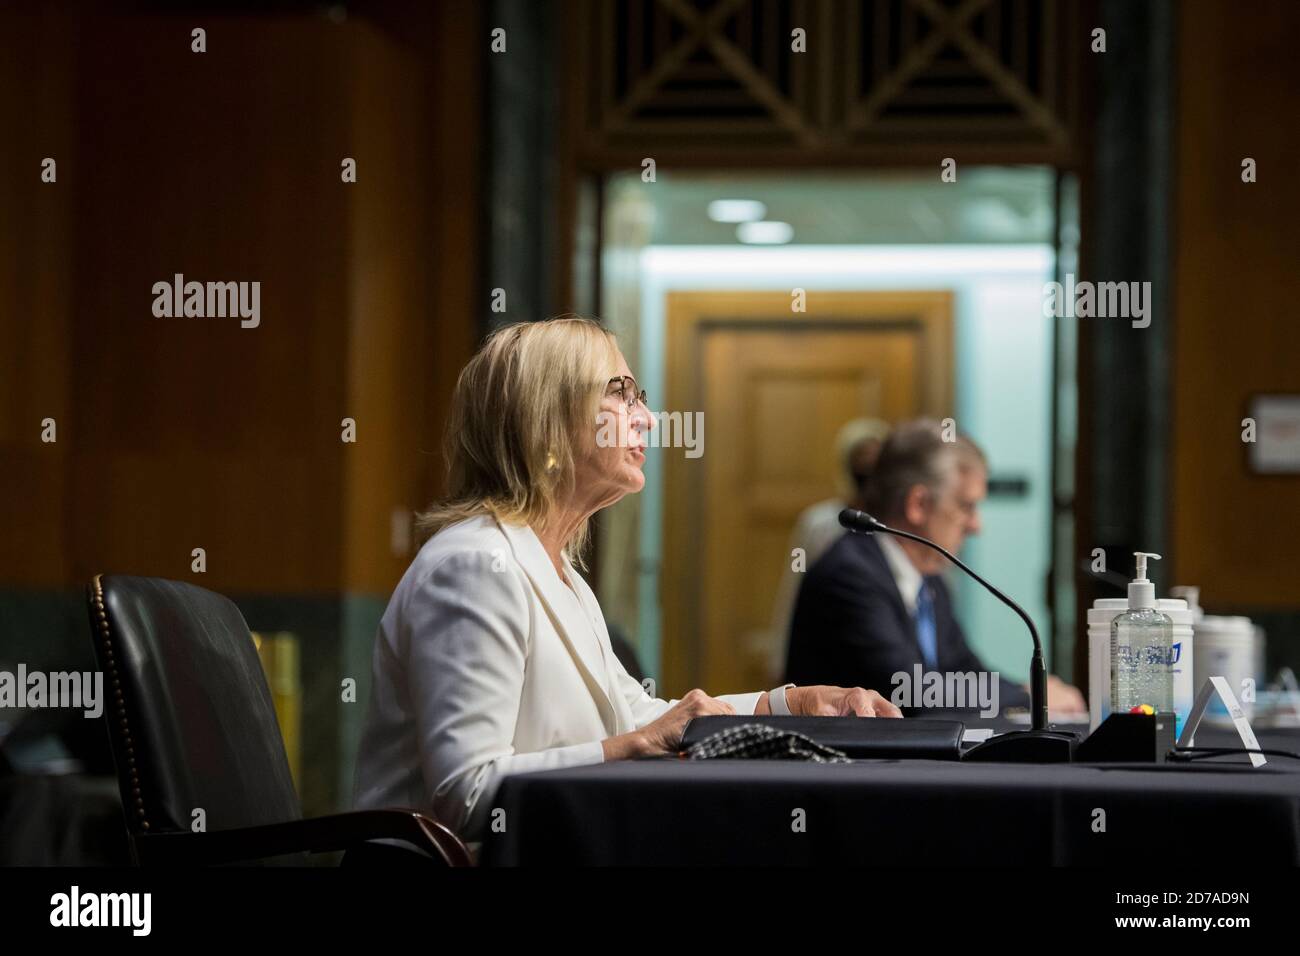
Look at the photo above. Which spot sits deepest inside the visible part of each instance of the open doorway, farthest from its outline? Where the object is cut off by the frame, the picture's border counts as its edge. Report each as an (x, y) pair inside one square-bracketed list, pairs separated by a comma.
[(881, 295)]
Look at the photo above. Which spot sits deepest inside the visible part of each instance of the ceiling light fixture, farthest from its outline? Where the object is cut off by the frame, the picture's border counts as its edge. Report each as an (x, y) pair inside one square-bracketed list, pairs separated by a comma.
[(736, 210), (765, 233)]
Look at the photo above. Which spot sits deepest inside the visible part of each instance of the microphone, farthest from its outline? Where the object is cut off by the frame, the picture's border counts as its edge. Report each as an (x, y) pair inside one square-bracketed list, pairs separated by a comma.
[(1038, 743)]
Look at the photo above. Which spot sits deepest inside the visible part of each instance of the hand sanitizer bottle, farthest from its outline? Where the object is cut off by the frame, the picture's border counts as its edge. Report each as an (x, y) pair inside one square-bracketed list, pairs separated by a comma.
[(1141, 649)]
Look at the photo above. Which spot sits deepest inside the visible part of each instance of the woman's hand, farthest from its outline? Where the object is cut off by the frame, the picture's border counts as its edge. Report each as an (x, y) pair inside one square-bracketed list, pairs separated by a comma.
[(823, 701), (664, 735)]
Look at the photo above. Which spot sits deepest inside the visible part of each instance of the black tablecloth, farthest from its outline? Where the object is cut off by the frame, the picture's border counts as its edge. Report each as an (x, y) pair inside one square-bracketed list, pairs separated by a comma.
[(901, 813)]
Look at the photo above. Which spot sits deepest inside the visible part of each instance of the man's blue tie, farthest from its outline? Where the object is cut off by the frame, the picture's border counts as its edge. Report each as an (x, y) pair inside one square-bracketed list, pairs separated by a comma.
[(925, 632)]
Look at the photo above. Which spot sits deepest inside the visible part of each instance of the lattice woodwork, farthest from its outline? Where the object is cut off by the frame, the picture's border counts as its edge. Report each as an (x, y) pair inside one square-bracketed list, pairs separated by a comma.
[(882, 79)]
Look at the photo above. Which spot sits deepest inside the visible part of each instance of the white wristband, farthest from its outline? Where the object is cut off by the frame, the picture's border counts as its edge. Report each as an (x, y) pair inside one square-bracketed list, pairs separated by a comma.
[(777, 703)]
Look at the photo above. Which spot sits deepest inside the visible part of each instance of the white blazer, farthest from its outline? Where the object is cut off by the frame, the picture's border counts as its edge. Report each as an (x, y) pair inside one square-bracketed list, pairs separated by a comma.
[(486, 664)]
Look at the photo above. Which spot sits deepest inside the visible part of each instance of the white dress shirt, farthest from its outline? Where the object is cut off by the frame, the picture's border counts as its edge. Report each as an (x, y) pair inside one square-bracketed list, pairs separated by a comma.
[(907, 579), (487, 664)]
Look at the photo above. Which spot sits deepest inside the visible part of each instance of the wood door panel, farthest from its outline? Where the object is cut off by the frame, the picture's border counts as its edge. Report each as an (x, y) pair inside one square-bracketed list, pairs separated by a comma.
[(774, 389)]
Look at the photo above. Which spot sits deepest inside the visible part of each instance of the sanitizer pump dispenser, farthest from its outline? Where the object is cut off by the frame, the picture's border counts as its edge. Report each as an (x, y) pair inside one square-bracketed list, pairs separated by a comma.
[(1141, 649)]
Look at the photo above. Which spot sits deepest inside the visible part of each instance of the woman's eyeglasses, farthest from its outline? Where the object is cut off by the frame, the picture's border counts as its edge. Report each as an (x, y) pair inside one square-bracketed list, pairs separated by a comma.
[(627, 391)]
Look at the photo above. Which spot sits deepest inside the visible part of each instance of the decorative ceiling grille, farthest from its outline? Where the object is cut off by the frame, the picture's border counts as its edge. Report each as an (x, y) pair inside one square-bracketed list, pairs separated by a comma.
[(879, 77)]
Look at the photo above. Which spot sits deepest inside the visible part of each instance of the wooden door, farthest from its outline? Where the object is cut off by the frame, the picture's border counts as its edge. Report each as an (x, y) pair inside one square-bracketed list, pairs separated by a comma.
[(774, 388)]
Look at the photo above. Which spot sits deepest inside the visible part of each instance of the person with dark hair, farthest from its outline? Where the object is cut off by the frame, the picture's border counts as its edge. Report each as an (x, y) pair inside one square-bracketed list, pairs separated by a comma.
[(876, 606)]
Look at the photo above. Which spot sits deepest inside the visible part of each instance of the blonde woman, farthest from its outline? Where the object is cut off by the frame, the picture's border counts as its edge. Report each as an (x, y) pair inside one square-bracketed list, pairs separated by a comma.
[(492, 657)]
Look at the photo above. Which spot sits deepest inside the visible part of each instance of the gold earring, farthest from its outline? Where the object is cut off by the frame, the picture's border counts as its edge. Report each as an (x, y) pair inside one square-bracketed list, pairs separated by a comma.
[(550, 462)]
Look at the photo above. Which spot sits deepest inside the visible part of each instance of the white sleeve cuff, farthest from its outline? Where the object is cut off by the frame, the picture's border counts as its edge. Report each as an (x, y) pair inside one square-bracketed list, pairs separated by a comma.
[(743, 703), (777, 702)]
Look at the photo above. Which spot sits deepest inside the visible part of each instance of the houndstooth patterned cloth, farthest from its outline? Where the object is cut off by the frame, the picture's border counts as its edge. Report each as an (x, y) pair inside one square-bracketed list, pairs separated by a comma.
[(763, 742)]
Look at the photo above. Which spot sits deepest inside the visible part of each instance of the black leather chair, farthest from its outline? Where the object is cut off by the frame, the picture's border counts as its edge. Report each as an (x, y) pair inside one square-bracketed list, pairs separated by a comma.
[(192, 726)]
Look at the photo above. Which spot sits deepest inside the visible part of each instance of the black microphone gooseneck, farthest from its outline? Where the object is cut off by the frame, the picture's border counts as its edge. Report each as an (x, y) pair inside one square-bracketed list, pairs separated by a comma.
[(864, 523)]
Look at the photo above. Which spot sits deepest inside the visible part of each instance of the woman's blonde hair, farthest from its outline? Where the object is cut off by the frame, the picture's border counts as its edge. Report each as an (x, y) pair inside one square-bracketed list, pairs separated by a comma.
[(524, 407)]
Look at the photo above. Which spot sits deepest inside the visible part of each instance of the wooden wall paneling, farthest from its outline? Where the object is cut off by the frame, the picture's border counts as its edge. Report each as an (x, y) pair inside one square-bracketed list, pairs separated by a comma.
[(1235, 533), (37, 65), (196, 432)]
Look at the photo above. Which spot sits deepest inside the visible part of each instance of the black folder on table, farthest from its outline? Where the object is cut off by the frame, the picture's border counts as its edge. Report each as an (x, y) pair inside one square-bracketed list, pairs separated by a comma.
[(858, 737)]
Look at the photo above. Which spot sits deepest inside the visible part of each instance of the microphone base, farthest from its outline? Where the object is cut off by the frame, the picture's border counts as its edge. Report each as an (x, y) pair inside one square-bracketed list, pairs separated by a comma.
[(1026, 746)]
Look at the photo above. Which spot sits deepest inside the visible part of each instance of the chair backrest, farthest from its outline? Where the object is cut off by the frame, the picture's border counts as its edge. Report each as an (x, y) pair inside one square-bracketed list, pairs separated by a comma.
[(189, 711)]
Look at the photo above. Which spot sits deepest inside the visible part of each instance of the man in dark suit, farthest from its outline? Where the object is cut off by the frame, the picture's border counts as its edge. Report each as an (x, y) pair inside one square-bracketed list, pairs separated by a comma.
[(875, 606)]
